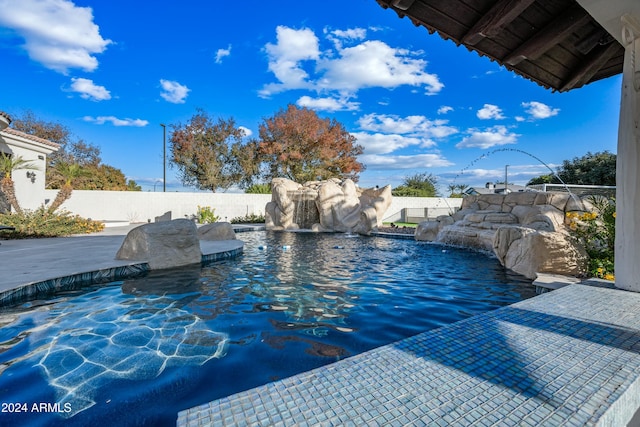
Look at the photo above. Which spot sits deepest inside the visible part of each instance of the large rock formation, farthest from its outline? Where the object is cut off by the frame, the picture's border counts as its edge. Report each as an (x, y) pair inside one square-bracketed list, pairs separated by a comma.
[(526, 231), (163, 244), (217, 231), (331, 205)]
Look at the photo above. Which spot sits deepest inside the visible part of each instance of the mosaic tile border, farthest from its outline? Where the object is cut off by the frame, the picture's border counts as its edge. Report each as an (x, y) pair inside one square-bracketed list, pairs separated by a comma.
[(249, 228), (209, 258), (400, 236), (49, 287)]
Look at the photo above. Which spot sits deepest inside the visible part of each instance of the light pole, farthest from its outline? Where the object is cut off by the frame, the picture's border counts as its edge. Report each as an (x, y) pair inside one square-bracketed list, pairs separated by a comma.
[(506, 178), (164, 157)]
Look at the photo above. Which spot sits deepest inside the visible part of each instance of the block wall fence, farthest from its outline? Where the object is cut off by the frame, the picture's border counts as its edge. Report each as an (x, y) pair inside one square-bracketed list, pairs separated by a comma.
[(139, 206)]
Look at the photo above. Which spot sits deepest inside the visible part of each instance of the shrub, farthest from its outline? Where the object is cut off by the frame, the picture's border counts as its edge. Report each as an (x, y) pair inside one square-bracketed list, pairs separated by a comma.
[(206, 215), (258, 189), (249, 219), (596, 230), (41, 223)]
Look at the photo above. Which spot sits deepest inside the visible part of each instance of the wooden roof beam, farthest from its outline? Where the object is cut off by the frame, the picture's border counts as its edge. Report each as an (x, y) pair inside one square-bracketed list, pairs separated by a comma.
[(402, 4), (552, 34), (595, 38), (500, 14), (590, 67)]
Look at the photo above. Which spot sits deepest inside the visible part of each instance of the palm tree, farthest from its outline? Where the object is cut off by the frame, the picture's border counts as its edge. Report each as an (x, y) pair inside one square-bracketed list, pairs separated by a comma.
[(462, 187), (68, 172), (452, 189), (8, 164)]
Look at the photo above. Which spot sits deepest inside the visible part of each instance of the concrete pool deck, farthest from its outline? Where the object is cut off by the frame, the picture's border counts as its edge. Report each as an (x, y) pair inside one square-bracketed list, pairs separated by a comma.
[(567, 357)]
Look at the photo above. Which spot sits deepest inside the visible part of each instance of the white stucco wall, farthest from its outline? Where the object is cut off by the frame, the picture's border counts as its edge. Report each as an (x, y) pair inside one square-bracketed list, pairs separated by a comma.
[(137, 206), (30, 194)]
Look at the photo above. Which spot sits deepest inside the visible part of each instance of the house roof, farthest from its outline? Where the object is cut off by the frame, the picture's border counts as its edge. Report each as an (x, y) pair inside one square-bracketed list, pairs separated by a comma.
[(20, 134), (498, 188), (554, 43)]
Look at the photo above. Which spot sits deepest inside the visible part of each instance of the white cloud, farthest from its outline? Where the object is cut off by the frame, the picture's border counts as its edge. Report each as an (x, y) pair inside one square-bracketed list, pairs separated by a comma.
[(538, 110), (490, 111), (491, 137), (100, 120), (89, 90), (221, 53), (376, 161), (174, 92), (445, 109), (520, 119), (413, 125), (352, 34), (328, 104), (380, 143), (297, 63), (246, 130), (57, 33), (285, 57), (373, 63)]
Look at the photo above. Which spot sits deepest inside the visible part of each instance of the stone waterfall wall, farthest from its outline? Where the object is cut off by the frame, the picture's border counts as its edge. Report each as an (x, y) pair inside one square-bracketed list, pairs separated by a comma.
[(526, 231), (340, 206)]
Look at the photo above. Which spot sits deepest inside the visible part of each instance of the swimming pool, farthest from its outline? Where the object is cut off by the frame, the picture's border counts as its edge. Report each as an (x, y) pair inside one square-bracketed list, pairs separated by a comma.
[(138, 351)]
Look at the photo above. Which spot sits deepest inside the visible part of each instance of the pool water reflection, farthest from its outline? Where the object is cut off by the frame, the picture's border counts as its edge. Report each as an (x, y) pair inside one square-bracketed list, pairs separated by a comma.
[(138, 351)]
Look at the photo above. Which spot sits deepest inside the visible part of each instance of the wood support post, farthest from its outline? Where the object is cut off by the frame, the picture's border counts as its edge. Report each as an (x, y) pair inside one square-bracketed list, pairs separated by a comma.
[(627, 246)]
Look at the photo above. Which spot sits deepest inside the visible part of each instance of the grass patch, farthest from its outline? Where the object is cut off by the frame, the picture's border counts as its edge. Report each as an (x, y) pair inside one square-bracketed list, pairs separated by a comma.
[(401, 224)]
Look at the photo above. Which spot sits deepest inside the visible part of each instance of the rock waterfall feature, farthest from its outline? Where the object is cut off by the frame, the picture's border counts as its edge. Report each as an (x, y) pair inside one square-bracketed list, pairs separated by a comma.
[(526, 231), (331, 205)]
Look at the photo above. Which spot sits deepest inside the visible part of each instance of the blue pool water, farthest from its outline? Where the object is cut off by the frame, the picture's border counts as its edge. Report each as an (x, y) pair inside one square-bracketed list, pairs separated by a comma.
[(138, 351)]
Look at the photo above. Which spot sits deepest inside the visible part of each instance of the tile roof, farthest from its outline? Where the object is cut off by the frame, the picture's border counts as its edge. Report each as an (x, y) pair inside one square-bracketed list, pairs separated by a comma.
[(30, 137)]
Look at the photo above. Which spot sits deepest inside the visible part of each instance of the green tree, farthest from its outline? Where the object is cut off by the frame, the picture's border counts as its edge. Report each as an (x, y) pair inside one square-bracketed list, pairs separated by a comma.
[(32, 125), (297, 144), (456, 190), (208, 152), (8, 164), (590, 169), (542, 179), (133, 186), (418, 185), (68, 172), (258, 189), (72, 151), (103, 177), (247, 161)]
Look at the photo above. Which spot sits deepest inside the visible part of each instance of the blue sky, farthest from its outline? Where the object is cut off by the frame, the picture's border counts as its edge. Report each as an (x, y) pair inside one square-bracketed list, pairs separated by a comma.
[(112, 71)]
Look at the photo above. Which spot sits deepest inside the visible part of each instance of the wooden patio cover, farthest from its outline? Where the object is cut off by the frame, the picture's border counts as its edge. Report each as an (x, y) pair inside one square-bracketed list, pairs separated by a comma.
[(554, 43)]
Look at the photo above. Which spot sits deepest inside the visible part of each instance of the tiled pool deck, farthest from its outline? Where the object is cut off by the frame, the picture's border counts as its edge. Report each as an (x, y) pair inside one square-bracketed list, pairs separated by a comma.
[(570, 357)]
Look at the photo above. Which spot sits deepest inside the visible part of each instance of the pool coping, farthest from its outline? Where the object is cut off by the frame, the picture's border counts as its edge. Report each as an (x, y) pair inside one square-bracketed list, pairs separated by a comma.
[(43, 288), (76, 277)]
